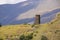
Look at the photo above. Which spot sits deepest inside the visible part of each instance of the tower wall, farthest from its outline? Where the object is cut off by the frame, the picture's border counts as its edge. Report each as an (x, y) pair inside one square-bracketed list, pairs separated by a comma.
[(37, 19)]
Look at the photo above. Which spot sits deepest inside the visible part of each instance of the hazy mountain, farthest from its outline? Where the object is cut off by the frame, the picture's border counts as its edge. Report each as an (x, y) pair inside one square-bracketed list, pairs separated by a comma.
[(49, 16), (24, 12)]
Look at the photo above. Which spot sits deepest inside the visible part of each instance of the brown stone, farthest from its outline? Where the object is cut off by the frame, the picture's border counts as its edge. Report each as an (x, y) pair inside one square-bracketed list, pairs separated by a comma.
[(37, 19)]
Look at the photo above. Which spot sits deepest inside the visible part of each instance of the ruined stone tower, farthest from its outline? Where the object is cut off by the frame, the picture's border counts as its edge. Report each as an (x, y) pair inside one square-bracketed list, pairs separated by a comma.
[(37, 19), (0, 25)]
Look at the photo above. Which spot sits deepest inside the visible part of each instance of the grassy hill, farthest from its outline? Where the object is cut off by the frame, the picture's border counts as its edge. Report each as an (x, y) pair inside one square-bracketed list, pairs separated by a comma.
[(48, 31)]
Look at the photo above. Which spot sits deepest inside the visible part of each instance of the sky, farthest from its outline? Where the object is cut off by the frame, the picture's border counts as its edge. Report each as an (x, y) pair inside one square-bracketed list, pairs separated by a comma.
[(10, 1)]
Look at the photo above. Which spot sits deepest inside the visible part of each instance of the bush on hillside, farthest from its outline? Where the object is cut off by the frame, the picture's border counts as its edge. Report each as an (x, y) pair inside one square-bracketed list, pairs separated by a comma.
[(44, 38), (28, 37), (1, 39), (33, 25)]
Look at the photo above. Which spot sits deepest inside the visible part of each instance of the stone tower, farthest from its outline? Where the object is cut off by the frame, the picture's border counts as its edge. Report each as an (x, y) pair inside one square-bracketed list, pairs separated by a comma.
[(0, 25), (37, 19)]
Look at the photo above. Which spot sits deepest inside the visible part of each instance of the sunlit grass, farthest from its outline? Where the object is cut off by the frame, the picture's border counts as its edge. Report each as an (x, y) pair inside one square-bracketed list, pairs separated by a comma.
[(50, 30)]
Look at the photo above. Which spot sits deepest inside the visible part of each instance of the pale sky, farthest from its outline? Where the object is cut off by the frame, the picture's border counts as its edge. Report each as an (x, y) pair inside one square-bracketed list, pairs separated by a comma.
[(10, 1)]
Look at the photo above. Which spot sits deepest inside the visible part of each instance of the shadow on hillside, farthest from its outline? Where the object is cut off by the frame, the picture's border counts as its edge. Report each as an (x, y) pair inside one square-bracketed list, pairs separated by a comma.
[(47, 17)]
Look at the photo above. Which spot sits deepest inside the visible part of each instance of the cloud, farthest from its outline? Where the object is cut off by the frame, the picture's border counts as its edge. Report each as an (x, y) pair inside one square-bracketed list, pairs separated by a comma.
[(10, 1)]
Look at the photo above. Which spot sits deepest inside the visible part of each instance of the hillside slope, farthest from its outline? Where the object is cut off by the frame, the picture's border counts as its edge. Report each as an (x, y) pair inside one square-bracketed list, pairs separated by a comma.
[(48, 31)]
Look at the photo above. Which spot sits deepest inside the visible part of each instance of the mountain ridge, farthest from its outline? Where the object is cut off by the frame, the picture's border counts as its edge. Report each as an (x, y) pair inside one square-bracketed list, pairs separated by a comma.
[(9, 12)]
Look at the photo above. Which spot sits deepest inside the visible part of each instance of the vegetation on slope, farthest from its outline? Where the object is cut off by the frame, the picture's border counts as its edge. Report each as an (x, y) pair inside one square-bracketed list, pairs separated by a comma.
[(48, 31)]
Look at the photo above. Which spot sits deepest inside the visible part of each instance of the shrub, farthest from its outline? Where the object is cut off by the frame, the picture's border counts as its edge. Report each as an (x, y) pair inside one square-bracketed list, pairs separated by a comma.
[(34, 34), (44, 38), (28, 37), (57, 31), (1, 39), (33, 25), (22, 37), (36, 31)]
